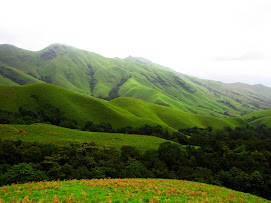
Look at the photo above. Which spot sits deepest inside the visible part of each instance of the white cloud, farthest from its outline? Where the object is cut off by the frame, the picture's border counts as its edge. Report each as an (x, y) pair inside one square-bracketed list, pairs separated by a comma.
[(185, 35)]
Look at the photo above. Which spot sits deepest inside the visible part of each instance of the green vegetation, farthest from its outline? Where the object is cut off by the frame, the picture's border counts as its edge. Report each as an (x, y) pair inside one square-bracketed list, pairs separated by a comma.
[(256, 115), (259, 118), (54, 103), (106, 78), (143, 121), (122, 190), (263, 121), (44, 133), (12, 76), (238, 159)]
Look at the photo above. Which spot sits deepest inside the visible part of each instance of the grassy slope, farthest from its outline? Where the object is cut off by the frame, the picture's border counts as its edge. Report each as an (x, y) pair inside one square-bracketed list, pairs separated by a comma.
[(76, 106), (246, 98), (12, 76), (6, 81), (256, 90), (123, 190), (92, 74), (172, 117), (258, 114), (259, 117), (119, 112), (249, 97), (266, 121), (45, 133)]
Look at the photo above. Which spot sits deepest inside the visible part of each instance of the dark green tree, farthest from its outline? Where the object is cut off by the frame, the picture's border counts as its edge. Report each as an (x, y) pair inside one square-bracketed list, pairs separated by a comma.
[(22, 173)]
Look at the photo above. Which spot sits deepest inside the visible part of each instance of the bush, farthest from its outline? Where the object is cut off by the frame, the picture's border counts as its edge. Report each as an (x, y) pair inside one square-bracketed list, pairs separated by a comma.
[(22, 173), (136, 170)]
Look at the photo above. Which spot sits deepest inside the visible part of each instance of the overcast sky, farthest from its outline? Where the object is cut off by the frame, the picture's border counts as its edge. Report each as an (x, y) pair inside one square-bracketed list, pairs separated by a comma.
[(225, 40)]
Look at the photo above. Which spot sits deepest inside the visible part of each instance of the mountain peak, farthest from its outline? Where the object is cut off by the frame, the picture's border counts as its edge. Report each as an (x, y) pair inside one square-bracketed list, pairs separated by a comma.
[(143, 61), (55, 46), (7, 45)]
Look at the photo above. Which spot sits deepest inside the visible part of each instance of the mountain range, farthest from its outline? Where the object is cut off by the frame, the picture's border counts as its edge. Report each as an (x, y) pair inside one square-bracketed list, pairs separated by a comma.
[(96, 76)]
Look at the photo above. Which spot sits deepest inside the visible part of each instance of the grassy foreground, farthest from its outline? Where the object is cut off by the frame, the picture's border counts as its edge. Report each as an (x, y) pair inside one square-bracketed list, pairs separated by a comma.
[(122, 190)]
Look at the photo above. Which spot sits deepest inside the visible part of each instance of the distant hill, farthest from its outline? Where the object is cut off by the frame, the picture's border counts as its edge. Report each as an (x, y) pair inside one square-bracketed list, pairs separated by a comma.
[(109, 78), (119, 112)]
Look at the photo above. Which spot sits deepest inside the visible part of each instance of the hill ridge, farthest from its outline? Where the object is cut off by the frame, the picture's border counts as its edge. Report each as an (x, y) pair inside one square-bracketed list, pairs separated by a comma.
[(119, 112)]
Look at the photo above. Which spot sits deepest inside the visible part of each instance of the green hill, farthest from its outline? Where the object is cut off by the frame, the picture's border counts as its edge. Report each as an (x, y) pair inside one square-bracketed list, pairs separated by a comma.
[(109, 78), (249, 97), (12, 76), (122, 190), (45, 133), (265, 120), (119, 112), (259, 117), (258, 114)]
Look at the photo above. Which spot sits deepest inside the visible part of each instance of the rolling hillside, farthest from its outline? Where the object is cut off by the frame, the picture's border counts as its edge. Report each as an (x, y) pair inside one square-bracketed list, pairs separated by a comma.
[(110, 78), (265, 121), (119, 112), (259, 117), (252, 97), (45, 133)]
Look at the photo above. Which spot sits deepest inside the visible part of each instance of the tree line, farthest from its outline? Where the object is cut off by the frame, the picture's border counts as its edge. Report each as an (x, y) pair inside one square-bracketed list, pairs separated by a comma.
[(54, 116)]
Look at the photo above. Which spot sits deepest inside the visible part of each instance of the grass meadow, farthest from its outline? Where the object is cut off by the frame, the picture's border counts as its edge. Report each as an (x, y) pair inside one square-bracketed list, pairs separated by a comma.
[(45, 133), (122, 190)]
